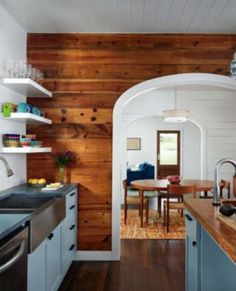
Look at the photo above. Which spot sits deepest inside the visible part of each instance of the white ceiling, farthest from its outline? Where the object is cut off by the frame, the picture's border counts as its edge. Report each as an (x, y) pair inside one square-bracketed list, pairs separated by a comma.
[(144, 16)]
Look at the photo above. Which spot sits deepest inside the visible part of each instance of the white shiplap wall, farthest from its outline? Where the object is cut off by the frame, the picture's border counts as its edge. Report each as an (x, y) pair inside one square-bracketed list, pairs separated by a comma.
[(13, 47), (214, 107), (217, 110)]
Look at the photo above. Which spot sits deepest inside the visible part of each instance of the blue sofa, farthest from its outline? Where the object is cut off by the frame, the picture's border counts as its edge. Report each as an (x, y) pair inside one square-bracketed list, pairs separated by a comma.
[(145, 171)]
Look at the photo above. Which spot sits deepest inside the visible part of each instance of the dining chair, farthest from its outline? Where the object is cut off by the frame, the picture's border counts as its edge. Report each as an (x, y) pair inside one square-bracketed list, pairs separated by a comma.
[(176, 191), (132, 196), (224, 185), (163, 195)]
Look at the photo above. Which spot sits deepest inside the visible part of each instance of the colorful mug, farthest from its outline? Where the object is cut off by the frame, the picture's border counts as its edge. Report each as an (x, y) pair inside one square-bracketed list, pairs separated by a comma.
[(22, 107), (36, 111), (29, 108)]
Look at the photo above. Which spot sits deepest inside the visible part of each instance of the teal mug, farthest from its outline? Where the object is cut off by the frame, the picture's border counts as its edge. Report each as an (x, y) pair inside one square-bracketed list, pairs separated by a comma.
[(36, 111), (22, 107)]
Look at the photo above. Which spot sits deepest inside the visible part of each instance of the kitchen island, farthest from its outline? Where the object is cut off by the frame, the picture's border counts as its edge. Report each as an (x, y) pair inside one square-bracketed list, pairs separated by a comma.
[(210, 249)]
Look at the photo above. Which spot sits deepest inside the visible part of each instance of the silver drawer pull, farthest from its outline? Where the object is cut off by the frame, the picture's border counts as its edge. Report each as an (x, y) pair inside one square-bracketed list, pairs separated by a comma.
[(72, 207), (72, 226), (72, 247), (9, 263)]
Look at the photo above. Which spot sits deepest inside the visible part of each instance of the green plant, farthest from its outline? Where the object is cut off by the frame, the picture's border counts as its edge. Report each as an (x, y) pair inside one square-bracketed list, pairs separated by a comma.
[(65, 159)]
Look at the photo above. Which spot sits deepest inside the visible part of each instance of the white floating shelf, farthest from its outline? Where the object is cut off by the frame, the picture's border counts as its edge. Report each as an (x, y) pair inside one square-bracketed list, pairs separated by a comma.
[(27, 118), (26, 87), (25, 150)]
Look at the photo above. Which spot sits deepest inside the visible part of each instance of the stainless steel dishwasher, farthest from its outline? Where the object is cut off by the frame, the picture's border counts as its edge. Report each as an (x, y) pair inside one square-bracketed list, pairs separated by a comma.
[(13, 261)]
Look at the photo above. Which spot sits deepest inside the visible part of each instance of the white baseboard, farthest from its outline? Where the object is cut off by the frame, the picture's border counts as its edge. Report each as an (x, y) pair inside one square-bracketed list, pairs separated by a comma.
[(96, 256)]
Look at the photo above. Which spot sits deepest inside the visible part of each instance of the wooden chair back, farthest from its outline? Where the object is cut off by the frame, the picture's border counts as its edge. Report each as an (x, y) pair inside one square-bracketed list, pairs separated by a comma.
[(133, 200), (224, 185), (124, 182), (174, 189)]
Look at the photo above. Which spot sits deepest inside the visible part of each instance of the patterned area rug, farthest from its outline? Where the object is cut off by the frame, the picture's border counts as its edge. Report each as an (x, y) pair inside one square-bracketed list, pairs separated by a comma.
[(155, 229)]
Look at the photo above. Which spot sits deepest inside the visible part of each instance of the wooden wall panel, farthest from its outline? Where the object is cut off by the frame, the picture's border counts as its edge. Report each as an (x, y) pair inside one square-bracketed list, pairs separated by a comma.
[(126, 71), (88, 73)]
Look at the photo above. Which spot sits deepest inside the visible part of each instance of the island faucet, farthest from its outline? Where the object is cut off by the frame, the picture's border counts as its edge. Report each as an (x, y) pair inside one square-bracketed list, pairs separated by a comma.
[(216, 187), (9, 171)]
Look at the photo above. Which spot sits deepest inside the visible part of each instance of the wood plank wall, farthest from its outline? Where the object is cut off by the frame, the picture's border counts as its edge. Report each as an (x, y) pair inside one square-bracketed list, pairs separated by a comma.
[(88, 73)]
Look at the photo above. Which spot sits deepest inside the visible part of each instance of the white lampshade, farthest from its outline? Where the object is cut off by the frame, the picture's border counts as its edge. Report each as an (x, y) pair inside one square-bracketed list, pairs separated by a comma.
[(176, 115)]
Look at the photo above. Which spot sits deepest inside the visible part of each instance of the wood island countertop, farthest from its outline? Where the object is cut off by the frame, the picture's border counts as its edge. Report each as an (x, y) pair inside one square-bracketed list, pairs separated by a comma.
[(206, 214)]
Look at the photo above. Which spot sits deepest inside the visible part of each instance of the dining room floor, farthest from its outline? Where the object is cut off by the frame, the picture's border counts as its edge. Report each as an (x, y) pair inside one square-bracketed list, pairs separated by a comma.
[(145, 265), (155, 228)]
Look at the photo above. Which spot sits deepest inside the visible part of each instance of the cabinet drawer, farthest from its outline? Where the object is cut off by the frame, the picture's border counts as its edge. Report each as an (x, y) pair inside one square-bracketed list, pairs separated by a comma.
[(191, 226), (70, 239), (70, 256), (71, 204), (69, 227), (69, 249), (71, 197), (71, 210)]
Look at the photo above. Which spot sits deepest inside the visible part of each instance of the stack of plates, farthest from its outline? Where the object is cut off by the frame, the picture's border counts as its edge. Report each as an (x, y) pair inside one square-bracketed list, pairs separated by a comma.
[(11, 140)]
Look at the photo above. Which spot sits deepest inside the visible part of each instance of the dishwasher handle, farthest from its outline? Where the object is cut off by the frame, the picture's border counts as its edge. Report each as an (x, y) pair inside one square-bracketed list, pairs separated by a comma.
[(9, 263)]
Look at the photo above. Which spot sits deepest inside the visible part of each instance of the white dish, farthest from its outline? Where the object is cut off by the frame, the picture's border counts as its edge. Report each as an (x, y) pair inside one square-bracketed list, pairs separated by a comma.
[(52, 188)]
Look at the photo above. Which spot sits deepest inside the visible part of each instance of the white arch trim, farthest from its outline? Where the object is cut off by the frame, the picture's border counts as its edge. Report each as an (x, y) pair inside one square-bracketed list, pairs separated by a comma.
[(200, 79)]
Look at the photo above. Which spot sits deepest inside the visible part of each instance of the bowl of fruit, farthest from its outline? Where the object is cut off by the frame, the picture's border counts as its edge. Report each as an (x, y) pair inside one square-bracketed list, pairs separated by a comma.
[(175, 179), (37, 183)]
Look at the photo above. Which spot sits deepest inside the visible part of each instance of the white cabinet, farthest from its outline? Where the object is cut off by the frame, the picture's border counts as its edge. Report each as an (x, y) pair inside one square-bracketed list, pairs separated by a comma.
[(208, 267), (44, 264), (69, 232), (53, 259), (192, 247), (48, 264), (36, 268)]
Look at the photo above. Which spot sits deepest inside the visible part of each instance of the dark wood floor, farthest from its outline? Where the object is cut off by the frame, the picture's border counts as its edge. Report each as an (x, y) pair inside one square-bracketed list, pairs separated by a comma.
[(145, 265)]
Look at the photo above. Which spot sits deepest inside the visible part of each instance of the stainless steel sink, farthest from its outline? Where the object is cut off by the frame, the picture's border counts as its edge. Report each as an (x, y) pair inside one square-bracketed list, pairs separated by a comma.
[(23, 202), (46, 214), (45, 219)]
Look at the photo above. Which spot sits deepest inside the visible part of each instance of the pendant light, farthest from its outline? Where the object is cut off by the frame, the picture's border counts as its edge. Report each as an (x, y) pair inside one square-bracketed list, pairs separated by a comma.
[(176, 115)]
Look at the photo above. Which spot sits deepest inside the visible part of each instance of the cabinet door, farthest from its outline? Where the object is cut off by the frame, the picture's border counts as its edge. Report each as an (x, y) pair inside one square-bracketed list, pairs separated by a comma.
[(192, 265), (36, 268), (218, 270), (68, 243), (53, 263), (192, 253)]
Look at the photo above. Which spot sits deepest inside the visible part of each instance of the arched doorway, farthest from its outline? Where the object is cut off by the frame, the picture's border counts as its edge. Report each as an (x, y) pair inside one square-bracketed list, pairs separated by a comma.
[(120, 126)]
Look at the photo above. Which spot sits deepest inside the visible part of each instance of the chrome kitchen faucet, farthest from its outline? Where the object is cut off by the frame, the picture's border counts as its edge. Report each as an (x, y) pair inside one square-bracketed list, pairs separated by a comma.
[(216, 187), (9, 171)]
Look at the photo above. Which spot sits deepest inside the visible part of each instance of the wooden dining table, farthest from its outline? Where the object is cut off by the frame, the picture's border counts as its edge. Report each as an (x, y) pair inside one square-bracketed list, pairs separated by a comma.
[(161, 185)]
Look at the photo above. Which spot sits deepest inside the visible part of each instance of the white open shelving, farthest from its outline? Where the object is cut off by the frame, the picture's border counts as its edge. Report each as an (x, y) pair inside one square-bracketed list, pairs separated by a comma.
[(24, 150), (26, 87), (27, 118)]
